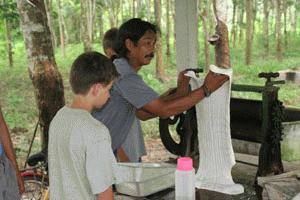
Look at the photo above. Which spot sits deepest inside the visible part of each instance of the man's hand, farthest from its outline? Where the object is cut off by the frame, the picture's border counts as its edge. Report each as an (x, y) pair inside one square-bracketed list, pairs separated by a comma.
[(213, 81), (183, 79), (183, 82), (122, 157)]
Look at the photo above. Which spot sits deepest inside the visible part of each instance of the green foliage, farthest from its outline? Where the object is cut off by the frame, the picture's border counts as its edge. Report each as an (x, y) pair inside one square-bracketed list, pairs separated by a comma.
[(9, 10)]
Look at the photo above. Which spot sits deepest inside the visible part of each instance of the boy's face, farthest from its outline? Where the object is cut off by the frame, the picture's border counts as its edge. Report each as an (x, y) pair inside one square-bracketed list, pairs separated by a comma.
[(102, 94), (143, 51), (109, 52)]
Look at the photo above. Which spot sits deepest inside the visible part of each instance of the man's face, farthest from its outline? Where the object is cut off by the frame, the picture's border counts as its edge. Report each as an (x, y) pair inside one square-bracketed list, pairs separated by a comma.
[(143, 51)]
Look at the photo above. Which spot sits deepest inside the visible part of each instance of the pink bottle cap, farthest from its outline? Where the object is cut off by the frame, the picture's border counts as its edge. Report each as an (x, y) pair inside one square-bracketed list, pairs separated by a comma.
[(184, 164)]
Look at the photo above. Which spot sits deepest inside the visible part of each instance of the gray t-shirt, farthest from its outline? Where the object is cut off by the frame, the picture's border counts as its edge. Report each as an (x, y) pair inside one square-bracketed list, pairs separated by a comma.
[(81, 161), (128, 93)]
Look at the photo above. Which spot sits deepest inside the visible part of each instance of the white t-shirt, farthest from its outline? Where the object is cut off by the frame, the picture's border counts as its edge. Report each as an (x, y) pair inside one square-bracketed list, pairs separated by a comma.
[(81, 161)]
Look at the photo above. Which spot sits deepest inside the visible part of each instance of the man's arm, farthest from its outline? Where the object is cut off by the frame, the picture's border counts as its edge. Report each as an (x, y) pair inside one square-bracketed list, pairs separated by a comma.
[(9, 152), (166, 108), (106, 195), (171, 94), (122, 157), (144, 115)]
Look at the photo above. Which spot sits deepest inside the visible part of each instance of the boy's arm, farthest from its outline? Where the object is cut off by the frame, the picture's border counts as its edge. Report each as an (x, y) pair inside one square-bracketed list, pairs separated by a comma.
[(9, 152), (106, 195)]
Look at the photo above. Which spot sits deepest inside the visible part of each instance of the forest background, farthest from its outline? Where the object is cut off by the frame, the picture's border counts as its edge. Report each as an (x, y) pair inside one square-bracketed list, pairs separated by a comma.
[(264, 36)]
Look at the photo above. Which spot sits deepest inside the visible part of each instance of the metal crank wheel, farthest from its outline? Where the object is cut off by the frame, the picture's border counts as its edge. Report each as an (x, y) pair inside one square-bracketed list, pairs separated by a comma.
[(185, 125)]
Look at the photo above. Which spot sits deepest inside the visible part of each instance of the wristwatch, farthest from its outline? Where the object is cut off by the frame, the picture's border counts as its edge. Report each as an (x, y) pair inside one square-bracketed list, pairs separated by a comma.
[(206, 91)]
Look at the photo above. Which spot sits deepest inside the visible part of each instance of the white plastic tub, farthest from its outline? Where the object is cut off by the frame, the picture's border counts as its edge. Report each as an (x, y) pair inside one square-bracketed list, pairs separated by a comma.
[(143, 179)]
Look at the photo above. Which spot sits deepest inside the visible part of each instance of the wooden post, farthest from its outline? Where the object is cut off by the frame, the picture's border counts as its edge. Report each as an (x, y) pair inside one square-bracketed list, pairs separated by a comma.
[(186, 28)]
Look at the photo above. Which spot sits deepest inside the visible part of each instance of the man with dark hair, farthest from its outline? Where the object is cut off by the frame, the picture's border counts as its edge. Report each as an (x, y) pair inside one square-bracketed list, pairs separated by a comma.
[(131, 96), (133, 147), (108, 42), (81, 161)]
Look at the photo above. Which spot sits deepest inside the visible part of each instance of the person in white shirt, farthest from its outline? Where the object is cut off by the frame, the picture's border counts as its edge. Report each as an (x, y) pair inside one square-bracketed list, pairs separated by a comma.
[(81, 162)]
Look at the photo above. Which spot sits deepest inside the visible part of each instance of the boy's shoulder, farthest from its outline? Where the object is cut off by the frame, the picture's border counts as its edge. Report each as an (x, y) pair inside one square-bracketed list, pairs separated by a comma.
[(80, 121), (92, 129)]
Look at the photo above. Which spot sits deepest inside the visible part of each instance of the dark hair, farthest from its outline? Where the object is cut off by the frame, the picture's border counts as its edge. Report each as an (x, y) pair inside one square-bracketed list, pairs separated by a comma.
[(110, 38), (90, 68), (132, 29)]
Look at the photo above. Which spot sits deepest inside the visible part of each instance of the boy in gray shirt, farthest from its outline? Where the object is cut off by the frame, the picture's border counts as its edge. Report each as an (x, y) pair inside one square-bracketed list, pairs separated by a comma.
[(81, 161), (131, 96)]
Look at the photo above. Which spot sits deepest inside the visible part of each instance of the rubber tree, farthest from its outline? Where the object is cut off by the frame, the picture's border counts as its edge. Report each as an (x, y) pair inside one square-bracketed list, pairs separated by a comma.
[(266, 26), (249, 32), (160, 72), (9, 16), (278, 6), (203, 7), (46, 79), (220, 39), (88, 9)]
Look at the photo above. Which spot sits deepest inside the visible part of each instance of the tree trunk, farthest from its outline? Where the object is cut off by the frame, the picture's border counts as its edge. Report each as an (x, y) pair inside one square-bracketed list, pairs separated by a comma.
[(112, 16), (9, 41), (168, 52), (122, 10), (61, 28), (101, 25), (174, 26), (139, 8), (148, 2), (88, 13), (241, 20), (297, 6), (46, 79), (48, 6), (204, 16), (285, 7), (159, 58), (249, 32), (77, 34), (117, 6), (65, 30), (233, 29), (278, 30), (133, 8), (222, 52), (254, 11), (266, 27), (211, 18)]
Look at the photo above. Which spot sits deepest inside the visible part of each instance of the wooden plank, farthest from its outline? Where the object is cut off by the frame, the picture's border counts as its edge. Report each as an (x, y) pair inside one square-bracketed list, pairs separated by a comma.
[(186, 23)]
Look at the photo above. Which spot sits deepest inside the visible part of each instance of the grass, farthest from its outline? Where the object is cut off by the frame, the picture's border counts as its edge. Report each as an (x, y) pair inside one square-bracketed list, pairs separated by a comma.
[(20, 110)]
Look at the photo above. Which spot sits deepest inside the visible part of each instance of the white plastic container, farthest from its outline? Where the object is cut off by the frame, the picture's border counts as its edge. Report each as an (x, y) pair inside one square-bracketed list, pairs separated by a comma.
[(143, 179), (185, 179)]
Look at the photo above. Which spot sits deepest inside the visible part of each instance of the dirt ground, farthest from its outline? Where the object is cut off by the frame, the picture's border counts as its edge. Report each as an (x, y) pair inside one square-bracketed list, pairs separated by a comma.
[(156, 152)]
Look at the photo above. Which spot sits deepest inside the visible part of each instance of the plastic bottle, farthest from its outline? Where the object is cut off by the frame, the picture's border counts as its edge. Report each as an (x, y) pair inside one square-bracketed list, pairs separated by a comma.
[(185, 179)]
